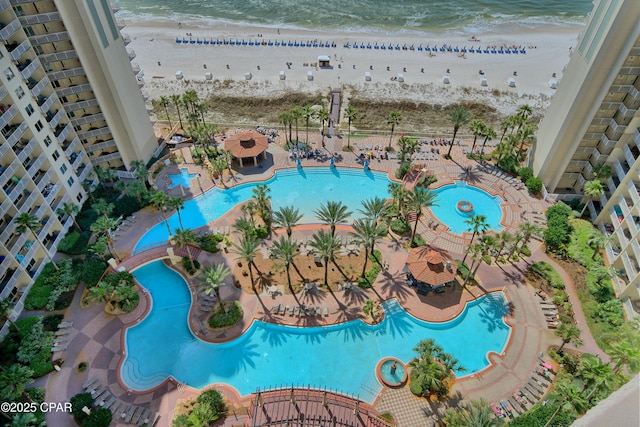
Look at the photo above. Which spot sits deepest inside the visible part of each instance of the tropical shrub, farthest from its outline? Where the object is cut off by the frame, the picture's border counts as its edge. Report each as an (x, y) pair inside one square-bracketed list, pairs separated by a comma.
[(400, 226), (220, 318), (209, 242), (74, 243), (402, 170), (418, 240), (525, 173), (546, 270), (415, 388), (610, 312), (558, 231), (92, 271), (539, 415), (370, 275), (262, 233), (99, 417), (186, 264), (78, 402), (534, 184), (213, 399)]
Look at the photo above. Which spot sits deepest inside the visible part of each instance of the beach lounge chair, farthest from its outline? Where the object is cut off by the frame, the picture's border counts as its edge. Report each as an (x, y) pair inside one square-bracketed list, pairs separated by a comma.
[(121, 409), (507, 408), (497, 410), (90, 382), (98, 391), (129, 414), (63, 325), (275, 309)]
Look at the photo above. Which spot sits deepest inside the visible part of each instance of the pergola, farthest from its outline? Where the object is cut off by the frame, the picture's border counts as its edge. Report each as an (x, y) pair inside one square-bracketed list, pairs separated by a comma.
[(247, 146), (431, 266)]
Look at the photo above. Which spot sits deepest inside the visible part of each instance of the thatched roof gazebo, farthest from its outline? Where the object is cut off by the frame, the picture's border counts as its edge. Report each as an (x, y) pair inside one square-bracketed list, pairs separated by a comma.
[(431, 266), (246, 147)]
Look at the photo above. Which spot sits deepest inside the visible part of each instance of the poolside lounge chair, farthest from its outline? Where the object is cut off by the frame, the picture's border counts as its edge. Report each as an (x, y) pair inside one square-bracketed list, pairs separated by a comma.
[(129, 414), (59, 348), (325, 310), (318, 312), (137, 415), (296, 310), (275, 309), (144, 417), (91, 381), (283, 310), (97, 391), (62, 332), (63, 325)]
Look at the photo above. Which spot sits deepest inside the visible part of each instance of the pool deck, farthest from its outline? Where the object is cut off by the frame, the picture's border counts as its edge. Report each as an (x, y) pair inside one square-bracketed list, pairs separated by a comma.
[(97, 337)]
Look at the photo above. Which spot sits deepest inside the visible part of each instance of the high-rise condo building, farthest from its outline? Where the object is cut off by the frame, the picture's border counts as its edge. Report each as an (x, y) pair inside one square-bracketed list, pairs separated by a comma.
[(593, 120), (69, 101)]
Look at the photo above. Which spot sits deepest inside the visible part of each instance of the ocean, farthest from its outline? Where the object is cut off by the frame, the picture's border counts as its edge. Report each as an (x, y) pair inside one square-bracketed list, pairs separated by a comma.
[(370, 16)]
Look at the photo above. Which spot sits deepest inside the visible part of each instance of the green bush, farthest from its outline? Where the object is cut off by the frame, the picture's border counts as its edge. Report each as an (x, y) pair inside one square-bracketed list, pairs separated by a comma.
[(75, 243), (130, 304), (525, 174), (51, 321), (35, 340), (38, 295), (370, 275), (560, 209), (400, 226), (186, 264), (418, 240), (463, 268), (534, 184), (92, 271), (539, 415), (99, 417), (610, 312), (221, 319), (525, 251), (41, 364), (402, 170), (127, 205), (546, 270), (262, 233), (78, 402), (415, 388), (181, 420), (209, 242), (214, 399)]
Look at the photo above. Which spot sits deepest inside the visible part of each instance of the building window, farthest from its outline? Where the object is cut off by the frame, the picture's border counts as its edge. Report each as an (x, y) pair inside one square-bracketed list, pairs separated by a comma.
[(19, 92), (55, 84), (29, 109), (79, 198), (56, 155), (63, 169), (29, 31), (77, 128), (47, 141), (70, 181), (39, 126), (38, 49), (8, 74), (63, 99)]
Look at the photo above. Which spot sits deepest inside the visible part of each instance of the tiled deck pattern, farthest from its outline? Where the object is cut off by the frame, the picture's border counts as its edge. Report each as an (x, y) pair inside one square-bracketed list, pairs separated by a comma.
[(98, 336)]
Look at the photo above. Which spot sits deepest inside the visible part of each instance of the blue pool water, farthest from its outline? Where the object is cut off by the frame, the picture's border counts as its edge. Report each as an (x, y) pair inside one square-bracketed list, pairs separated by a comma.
[(183, 178), (342, 357), (483, 204), (306, 189)]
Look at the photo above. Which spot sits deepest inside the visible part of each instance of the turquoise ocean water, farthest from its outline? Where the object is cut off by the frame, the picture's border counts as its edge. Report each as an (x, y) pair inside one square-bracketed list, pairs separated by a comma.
[(419, 16)]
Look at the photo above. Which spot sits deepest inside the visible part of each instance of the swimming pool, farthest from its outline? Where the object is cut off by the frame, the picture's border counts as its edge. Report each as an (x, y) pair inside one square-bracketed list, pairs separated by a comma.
[(481, 203), (342, 357), (306, 189), (183, 178)]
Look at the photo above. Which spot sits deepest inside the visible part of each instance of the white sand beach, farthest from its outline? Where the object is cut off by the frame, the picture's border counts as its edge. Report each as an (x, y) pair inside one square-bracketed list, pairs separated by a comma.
[(160, 57)]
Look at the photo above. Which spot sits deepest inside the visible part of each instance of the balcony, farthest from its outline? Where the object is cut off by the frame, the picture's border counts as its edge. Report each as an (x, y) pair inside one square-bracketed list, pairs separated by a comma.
[(76, 159), (48, 102), (621, 169), (26, 149), (81, 105), (59, 56), (633, 192), (37, 89), (628, 266), (132, 54), (4, 5), (4, 149), (61, 132), (9, 172), (9, 30), (66, 74), (20, 50), (92, 133), (126, 39), (30, 69), (44, 181), (83, 172), (8, 114), (606, 143), (55, 119), (626, 112), (26, 201), (71, 90), (39, 18), (37, 164), (71, 147), (49, 38), (628, 155), (79, 121), (106, 158), (50, 192), (13, 136)]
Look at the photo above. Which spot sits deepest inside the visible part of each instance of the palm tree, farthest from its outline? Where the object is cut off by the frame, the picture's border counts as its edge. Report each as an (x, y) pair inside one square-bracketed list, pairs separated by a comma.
[(133, 188), (26, 221), (407, 147), (393, 119), (213, 279), (504, 150), (602, 171), (307, 113), (296, 115), (568, 396), (326, 245), (523, 114), (367, 233), (184, 239), (591, 189), (287, 217), (419, 198), (489, 133), (6, 307), (505, 125), (351, 114), (176, 101), (505, 238), (476, 127), (374, 208), (596, 241), (244, 226), (527, 229), (459, 117), (477, 413), (323, 116), (286, 120), (103, 226), (13, 381), (526, 134), (160, 201), (333, 213), (177, 203), (103, 207), (104, 175), (596, 373), (70, 209), (370, 308), (263, 202), (164, 101), (285, 250), (247, 250), (568, 332), (142, 171), (624, 353), (477, 224)]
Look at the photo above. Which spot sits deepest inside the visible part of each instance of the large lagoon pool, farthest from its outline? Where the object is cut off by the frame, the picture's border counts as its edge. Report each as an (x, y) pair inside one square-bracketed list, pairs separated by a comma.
[(306, 189), (341, 357), (482, 203)]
